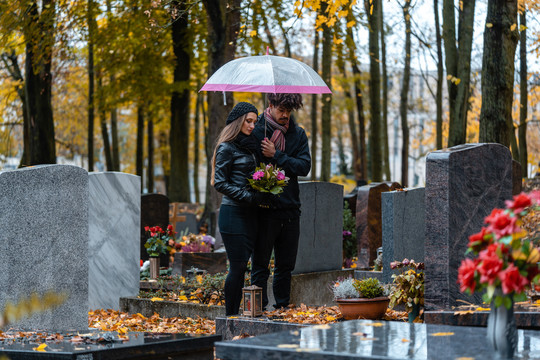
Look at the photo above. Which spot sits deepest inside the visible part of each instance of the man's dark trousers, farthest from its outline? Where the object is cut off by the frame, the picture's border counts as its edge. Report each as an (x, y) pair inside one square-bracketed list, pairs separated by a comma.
[(282, 236)]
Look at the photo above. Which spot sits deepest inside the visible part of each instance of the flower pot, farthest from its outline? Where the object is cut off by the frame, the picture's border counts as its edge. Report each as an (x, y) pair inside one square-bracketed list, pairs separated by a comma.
[(415, 311), (501, 329), (363, 308), (154, 267)]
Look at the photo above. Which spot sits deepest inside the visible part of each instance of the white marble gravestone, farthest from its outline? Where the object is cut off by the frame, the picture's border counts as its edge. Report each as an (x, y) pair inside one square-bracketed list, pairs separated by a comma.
[(44, 242), (115, 215)]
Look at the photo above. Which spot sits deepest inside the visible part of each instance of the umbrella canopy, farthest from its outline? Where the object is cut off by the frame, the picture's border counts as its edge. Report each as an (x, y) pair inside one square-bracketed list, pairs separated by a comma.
[(267, 74)]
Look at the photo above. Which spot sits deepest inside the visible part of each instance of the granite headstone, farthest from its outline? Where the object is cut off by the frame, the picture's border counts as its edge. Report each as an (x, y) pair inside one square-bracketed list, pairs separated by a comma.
[(403, 224), (44, 242), (369, 223), (115, 216), (154, 212), (463, 185), (321, 227)]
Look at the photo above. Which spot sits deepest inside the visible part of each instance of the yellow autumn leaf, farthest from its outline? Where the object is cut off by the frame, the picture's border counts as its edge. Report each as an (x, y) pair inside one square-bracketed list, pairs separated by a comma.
[(465, 358), (513, 27), (122, 330), (522, 27), (307, 349), (322, 327), (375, 324), (41, 347), (457, 81), (252, 33), (156, 299), (482, 309), (330, 318), (489, 25), (199, 279), (287, 346), (405, 340), (461, 5), (182, 298), (442, 334), (351, 23), (448, 77)]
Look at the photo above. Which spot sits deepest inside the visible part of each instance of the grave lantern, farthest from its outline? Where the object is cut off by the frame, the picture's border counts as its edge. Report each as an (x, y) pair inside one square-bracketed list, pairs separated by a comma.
[(252, 296)]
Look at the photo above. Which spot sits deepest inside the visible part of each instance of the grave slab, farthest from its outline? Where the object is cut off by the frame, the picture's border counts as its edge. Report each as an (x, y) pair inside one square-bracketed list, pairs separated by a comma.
[(524, 319), (147, 307), (229, 327), (139, 346), (364, 339), (154, 212), (321, 227), (403, 223), (369, 223), (463, 185), (44, 241), (212, 262), (115, 215)]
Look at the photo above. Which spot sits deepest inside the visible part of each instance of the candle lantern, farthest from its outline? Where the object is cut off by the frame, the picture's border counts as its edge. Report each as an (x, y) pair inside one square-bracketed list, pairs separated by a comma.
[(252, 296)]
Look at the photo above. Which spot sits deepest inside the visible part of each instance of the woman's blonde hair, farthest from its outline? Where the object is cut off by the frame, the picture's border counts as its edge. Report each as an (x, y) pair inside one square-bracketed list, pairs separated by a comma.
[(229, 133)]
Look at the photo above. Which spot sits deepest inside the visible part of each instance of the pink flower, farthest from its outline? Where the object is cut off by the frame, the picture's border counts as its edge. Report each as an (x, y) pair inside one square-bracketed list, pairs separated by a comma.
[(466, 275), (490, 265), (535, 196), (512, 280), (519, 203), (280, 176), (258, 175)]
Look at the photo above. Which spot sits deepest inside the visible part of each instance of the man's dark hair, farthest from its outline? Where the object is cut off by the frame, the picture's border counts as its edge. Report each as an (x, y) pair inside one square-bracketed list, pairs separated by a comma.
[(289, 101)]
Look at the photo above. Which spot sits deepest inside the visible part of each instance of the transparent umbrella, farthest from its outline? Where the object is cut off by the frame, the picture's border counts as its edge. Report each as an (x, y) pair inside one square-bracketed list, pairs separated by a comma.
[(267, 74)]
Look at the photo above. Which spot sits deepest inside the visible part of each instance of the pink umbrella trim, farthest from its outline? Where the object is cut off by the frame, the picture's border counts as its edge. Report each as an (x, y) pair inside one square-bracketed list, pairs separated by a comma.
[(276, 89)]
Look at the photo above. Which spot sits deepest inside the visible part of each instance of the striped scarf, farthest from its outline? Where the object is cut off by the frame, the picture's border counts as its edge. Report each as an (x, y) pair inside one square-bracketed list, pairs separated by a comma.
[(278, 137)]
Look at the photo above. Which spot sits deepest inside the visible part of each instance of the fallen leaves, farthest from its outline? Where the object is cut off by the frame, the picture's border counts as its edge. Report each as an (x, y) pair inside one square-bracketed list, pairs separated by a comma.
[(442, 334), (41, 347)]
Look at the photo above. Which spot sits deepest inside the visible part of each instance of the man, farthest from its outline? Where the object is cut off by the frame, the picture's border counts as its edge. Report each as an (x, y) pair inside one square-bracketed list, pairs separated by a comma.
[(284, 144)]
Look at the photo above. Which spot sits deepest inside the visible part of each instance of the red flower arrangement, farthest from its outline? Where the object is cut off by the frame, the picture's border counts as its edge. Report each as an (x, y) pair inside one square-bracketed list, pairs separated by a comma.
[(505, 257)]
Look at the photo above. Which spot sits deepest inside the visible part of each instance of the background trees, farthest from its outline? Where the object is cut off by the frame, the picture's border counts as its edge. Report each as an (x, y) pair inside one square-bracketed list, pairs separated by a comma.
[(113, 85)]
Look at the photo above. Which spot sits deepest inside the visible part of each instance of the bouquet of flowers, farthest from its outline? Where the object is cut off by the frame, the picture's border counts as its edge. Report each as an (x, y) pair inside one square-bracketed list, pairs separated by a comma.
[(194, 243), (158, 242), (505, 258), (268, 178)]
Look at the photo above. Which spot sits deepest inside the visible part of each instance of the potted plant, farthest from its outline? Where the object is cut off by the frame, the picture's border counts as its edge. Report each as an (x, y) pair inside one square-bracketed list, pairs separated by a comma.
[(157, 243), (360, 299), (408, 286)]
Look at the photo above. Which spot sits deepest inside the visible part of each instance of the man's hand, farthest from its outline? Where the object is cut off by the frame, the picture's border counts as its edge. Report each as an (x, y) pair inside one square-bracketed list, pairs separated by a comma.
[(268, 148)]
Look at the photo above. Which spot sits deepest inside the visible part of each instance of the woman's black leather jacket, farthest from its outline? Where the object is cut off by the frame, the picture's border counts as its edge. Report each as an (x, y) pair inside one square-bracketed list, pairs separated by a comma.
[(234, 164)]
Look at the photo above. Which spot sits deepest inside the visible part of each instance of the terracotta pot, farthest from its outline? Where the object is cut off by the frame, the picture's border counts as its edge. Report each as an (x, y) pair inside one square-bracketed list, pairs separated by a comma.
[(362, 308), (154, 267)]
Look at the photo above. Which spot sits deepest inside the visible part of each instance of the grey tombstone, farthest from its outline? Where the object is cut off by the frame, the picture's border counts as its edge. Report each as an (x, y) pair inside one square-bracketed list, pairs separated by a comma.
[(44, 242), (321, 227), (154, 212), (115, 216), (403, 223), (189, 225), (463, 185)]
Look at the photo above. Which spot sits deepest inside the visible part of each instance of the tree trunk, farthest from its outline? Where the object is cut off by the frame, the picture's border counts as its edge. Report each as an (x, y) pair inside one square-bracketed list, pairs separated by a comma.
[(404, 99), (458, 66), (39, 36), (386, 151), (314, 108), (150, 167), (500, 40), (326, 113), (440, 70), (223, 27), (114, 138), (196, 145), (91, 23), (140, 143), (360, 168), (375, 146), (179, 136), (523, 95), (104, 130), (352, 124)]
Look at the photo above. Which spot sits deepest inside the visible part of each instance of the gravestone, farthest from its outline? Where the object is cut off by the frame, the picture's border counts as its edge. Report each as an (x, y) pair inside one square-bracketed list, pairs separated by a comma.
[(369, 223), (44, 242), (115, 216), (183, 218), (154, 212), (403, 224), (321, 227), (463, 185)]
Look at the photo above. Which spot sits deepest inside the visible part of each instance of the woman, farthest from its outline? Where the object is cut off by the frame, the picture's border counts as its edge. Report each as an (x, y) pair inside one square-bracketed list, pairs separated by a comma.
[(234, 161)]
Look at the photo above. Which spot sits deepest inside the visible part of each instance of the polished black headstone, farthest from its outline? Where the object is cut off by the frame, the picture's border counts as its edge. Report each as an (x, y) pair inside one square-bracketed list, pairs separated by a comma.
[(364, 339), (139, 346), (154, 212)]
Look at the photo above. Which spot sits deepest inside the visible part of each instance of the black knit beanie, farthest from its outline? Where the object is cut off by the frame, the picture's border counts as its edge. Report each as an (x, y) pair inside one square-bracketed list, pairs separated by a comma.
[(240, 109)]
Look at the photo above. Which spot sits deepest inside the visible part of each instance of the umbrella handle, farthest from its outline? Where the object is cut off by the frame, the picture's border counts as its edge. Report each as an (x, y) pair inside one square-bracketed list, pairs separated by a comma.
[(224, 98)]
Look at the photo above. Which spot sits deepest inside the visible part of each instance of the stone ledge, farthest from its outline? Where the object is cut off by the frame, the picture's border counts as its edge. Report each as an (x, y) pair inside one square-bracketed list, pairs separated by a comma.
[(229, 327), (524, 319), (146, 307)]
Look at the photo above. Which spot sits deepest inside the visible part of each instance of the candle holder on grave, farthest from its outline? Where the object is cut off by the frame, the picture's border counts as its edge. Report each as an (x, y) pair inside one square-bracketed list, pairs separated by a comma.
[(193, 272), (252, 299)]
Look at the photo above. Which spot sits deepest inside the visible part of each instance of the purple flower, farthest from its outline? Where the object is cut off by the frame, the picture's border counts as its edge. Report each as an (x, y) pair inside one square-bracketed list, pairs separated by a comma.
[(346, 233), (280, 176), (258, 175)]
